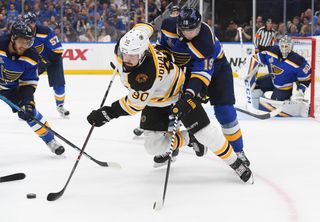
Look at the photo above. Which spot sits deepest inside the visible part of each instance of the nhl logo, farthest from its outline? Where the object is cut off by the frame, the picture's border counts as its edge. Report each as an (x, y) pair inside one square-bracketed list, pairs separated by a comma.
[(271, 60), (1, 60)]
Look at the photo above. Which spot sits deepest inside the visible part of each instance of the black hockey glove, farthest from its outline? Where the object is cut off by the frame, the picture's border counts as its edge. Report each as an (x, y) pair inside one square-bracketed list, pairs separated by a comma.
[(27, 112), (42, 65), (100, 116), (184, 105)]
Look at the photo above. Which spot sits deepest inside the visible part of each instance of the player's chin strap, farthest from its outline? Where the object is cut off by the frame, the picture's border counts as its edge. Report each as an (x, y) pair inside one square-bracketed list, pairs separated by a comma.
[(104, 164)]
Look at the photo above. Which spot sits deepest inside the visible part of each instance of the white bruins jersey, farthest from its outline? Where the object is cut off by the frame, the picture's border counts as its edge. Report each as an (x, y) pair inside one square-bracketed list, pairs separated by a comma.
[(157, 82)]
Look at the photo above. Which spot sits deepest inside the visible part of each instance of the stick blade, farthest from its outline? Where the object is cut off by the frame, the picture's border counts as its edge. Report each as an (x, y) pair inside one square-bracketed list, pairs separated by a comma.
[(158, 205), (54, 196), (12, 177), (114, 165)]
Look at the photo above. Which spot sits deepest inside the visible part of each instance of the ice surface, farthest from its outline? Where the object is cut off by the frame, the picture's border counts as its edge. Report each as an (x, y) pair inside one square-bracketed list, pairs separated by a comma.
[(284, 154)]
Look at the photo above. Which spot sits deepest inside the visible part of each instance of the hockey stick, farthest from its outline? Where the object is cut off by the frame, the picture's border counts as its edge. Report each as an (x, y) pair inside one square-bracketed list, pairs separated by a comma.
[(12, 177), (17, 108), (159, 204), (55, 196), (251, 110), (265, 115)]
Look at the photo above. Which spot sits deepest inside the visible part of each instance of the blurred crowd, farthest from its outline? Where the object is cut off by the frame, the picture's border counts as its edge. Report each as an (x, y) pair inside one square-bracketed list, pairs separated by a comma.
[(108, 20), (303, 25)]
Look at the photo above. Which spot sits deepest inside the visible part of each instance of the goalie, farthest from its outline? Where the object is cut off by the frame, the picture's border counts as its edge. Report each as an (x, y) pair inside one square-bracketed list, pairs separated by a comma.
[(285, 85)]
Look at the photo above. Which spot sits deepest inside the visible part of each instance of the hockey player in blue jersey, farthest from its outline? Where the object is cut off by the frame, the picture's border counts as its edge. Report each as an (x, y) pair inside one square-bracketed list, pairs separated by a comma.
[(194, 46), (276, 89), (50, 49), (19, 78)]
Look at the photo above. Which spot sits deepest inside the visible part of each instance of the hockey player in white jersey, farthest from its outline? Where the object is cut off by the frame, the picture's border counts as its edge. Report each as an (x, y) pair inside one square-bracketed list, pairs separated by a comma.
[(276, 89), (154, 85)]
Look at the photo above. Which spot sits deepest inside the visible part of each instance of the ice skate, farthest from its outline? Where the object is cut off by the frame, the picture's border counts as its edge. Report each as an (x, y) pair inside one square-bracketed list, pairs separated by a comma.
[(63, 112), (161, 160), (55, 147), (198, 148), (242, 170), (241, 155)]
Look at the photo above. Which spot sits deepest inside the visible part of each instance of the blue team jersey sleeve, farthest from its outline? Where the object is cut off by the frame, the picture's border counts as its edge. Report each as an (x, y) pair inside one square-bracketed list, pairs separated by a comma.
[(30, 74), (168, 31), (304, 72), (52, 42)]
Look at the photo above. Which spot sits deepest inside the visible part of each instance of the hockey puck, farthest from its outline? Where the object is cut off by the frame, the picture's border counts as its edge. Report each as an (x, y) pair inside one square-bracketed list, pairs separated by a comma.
[(31, 195)]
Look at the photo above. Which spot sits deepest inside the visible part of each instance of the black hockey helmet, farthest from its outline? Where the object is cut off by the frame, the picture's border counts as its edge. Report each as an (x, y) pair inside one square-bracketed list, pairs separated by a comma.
[(20, 29), (29, 17), (189, 18)]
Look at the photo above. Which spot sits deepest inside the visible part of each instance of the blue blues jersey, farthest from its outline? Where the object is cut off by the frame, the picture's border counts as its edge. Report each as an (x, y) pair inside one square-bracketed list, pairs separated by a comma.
[(17, 71), (198, 55), (286, 71), (47, 43)]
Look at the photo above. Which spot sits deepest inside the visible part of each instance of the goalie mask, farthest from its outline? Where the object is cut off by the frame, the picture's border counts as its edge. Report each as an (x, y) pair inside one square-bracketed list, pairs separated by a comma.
[(285, 45), (133, 47)]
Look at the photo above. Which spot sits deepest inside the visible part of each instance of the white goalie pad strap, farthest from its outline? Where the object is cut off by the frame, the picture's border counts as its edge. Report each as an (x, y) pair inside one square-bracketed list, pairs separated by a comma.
[(211, 137), (289, 108), (157, 142)]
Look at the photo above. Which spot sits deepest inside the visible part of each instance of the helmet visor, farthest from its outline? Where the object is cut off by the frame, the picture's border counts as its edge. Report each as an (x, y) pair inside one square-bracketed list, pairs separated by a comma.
[(24, 42)]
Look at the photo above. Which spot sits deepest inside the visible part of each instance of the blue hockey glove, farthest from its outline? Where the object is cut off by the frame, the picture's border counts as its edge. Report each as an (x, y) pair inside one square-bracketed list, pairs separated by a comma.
[(27, 112)]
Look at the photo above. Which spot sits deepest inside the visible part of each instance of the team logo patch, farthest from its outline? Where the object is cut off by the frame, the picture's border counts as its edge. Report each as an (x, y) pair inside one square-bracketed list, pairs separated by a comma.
[(143, 118), (141, 78), (1, 60), (276, 70)]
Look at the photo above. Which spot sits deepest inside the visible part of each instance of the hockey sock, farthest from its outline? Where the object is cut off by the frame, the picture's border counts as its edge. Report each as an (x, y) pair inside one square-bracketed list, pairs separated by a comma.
[(227, 117), (42, 132), (59, 94)]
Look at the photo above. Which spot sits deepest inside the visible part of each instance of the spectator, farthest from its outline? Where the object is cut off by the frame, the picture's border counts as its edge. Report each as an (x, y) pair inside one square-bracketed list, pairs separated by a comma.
[(111, 30), (305, 31), (296, 22), (293, 31), (12, 13), (246, 34), (52, 23), (152, 10), (231, 32), (87, 36), (175, 10), (3, 25), (282, 31), (51, 11), (70, 33), (103, 37), (82, 24)]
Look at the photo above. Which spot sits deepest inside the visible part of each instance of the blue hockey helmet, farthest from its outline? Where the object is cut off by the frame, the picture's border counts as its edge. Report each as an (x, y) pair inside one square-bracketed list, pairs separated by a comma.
[(189, 18), (21, 29), (29, 17)]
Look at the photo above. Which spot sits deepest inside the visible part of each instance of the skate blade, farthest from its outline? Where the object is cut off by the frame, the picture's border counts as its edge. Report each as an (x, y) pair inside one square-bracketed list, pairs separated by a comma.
[(157, 165), (251, 179)]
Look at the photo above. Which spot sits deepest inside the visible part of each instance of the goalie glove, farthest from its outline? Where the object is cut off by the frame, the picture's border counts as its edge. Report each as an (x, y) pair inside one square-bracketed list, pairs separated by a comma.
[(100, 116), (298, 95)]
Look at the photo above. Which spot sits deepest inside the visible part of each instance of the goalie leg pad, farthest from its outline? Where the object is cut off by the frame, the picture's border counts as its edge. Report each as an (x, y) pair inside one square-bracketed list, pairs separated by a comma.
[(157, 143), (289, 108)]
